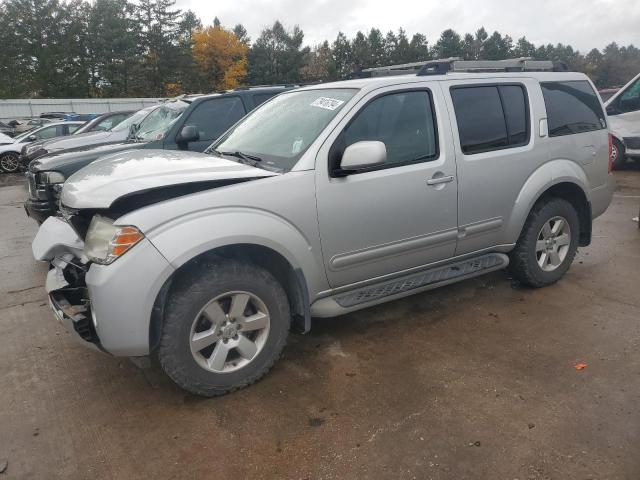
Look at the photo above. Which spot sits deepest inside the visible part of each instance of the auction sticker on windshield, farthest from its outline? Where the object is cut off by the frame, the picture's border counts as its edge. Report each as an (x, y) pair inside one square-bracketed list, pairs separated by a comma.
[(327, 103)]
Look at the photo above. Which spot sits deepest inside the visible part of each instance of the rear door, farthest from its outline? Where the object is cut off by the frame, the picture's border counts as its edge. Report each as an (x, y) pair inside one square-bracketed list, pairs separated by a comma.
[(497, 147), (397, 216)]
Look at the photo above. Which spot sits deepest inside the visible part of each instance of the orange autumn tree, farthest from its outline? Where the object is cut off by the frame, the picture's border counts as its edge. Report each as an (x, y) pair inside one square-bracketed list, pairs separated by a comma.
[(221, 57)]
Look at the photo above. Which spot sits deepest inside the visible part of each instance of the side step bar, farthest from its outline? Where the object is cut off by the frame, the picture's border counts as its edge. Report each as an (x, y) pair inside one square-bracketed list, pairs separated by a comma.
[(414, 283)]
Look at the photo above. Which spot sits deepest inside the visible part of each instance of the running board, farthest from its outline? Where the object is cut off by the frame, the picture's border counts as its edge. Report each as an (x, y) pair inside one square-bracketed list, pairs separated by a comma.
[(401, 287)]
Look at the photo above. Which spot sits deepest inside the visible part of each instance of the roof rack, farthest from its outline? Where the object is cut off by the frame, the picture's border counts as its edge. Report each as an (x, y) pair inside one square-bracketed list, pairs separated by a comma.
[(523, 64), (455, 64)]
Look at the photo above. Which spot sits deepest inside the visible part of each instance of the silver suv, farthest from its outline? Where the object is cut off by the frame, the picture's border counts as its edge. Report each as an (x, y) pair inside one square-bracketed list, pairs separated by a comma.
[(326, 200)]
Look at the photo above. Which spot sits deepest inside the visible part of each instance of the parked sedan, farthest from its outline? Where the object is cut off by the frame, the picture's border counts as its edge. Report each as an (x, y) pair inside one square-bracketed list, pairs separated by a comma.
[(103, 123), (10, 152), (22, 125), (87, 138)]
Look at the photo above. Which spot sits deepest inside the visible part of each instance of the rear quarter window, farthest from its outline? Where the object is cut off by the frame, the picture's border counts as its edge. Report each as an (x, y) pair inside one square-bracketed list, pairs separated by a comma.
[(572, 107)]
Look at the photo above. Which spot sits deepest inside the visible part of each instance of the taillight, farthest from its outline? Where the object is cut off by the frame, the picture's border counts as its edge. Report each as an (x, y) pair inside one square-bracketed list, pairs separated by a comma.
[(610, 153)]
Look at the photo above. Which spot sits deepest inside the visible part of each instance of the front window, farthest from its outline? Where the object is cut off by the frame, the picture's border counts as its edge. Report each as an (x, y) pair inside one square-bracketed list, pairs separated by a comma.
[(159, 121), (281, 130)]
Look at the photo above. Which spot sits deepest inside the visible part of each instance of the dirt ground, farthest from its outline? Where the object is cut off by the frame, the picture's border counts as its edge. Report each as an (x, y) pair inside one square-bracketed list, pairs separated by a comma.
[(472, 381)]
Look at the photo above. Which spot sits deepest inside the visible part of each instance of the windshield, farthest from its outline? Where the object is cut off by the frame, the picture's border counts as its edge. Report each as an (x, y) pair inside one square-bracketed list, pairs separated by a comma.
[(133, 119), (160, 120), (281, 130)]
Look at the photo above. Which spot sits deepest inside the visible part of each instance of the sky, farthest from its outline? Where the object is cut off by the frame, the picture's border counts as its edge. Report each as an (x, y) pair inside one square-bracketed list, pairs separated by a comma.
[(584, 24)]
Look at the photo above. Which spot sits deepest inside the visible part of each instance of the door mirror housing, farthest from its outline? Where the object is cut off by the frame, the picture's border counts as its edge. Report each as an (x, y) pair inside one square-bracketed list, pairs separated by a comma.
[(32, 138), (188, 133), (362, 155)]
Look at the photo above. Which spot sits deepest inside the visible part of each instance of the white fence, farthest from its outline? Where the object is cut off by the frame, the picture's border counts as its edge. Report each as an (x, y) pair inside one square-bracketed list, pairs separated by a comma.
[(10, 109)]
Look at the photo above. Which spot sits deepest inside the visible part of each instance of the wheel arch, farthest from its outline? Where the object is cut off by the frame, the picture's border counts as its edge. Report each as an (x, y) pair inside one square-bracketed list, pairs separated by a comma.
[(291, 278), (560, 179)]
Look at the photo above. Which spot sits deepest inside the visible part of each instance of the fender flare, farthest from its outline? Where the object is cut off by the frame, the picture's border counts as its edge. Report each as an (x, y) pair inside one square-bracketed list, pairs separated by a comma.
[(187, 237), (540, 181)]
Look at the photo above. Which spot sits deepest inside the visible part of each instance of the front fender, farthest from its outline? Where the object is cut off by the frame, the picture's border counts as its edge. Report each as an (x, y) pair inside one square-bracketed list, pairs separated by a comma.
[(189, 236), (542, 179)]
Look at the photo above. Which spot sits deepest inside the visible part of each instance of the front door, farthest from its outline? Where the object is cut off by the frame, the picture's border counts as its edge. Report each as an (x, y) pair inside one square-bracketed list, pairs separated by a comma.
[(399, 215)]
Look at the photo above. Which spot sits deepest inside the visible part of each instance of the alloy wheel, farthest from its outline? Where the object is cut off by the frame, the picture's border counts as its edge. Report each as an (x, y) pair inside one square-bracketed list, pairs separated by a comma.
[(9, 162), (553, 243), (229, 332)]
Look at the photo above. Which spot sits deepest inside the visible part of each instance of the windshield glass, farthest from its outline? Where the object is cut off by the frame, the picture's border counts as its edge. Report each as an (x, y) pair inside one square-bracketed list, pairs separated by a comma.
[(160, 120), (281, 130), (133, 119)]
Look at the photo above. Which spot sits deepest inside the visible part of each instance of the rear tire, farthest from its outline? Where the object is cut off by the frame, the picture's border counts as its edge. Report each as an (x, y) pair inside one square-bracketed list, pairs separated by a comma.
[(9, 162), (547, 245), (226, 323), (617, 154)]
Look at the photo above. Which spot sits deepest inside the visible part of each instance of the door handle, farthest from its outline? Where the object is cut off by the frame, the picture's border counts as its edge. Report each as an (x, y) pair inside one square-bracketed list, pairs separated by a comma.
[(440, 180)]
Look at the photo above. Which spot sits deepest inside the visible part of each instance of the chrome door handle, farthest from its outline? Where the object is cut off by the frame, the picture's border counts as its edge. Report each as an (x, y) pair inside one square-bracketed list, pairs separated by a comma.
[(439, 180)]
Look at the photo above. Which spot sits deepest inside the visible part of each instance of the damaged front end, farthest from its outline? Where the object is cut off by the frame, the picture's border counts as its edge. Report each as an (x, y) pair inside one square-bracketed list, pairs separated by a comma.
[(69, 299), (58, 244)]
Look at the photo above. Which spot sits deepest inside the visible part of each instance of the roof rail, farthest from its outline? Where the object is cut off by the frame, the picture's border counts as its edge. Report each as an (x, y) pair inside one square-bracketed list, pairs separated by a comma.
[(523, 64), (456, 64)]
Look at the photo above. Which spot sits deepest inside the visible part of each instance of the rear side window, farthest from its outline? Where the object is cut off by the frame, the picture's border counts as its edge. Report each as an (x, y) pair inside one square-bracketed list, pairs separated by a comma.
[(572, 107), (214, 117), (491, 117)]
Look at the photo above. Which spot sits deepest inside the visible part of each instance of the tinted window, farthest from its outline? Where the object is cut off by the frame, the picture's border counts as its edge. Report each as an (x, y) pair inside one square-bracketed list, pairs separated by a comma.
[(73, 127), (514, 104), (404, 122), (572, 107), (259, 98), (491, 117), (213, 117)]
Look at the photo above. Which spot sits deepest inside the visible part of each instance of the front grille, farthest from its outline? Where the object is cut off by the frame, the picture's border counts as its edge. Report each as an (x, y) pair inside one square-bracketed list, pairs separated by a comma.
[(632, 143)]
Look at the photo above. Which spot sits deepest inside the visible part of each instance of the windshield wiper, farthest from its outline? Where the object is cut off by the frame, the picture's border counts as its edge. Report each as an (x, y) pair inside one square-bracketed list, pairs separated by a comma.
[(243, 156)]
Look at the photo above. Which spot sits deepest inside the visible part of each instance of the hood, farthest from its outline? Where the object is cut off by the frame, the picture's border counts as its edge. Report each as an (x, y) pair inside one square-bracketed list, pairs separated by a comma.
[(71, 160), (81, 139), (108, 179)]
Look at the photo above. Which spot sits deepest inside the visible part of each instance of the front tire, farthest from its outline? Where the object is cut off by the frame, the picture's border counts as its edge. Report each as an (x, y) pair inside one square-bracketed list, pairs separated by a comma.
[(9, 162), (226, 324), (547, 245)]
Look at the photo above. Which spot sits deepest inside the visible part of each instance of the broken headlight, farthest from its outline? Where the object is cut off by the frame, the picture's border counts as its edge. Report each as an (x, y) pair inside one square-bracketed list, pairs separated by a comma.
[(105, 242)]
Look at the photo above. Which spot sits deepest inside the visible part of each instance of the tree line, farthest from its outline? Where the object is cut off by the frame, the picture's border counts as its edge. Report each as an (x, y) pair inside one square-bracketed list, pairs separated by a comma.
[(148, 48)]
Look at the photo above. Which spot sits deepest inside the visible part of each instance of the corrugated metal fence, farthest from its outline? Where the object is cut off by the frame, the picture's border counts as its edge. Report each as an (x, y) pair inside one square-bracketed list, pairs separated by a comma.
[(10, 109)]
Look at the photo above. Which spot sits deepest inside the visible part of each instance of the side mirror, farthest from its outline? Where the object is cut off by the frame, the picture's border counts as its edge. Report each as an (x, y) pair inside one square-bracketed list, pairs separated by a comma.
[(362, 155), (189, 133), (32, 138), (612, 110)]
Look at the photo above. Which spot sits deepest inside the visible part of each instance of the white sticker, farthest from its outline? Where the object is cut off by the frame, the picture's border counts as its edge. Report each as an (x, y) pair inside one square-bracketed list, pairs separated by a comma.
[(297, 145), (327, 103)]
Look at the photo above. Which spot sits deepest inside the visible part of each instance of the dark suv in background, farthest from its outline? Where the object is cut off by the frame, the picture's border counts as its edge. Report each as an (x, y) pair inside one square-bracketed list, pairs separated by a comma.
[(181, 124)]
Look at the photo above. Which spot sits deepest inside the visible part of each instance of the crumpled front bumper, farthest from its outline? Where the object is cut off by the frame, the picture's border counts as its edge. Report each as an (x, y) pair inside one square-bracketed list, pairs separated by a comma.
[(105, 306)]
